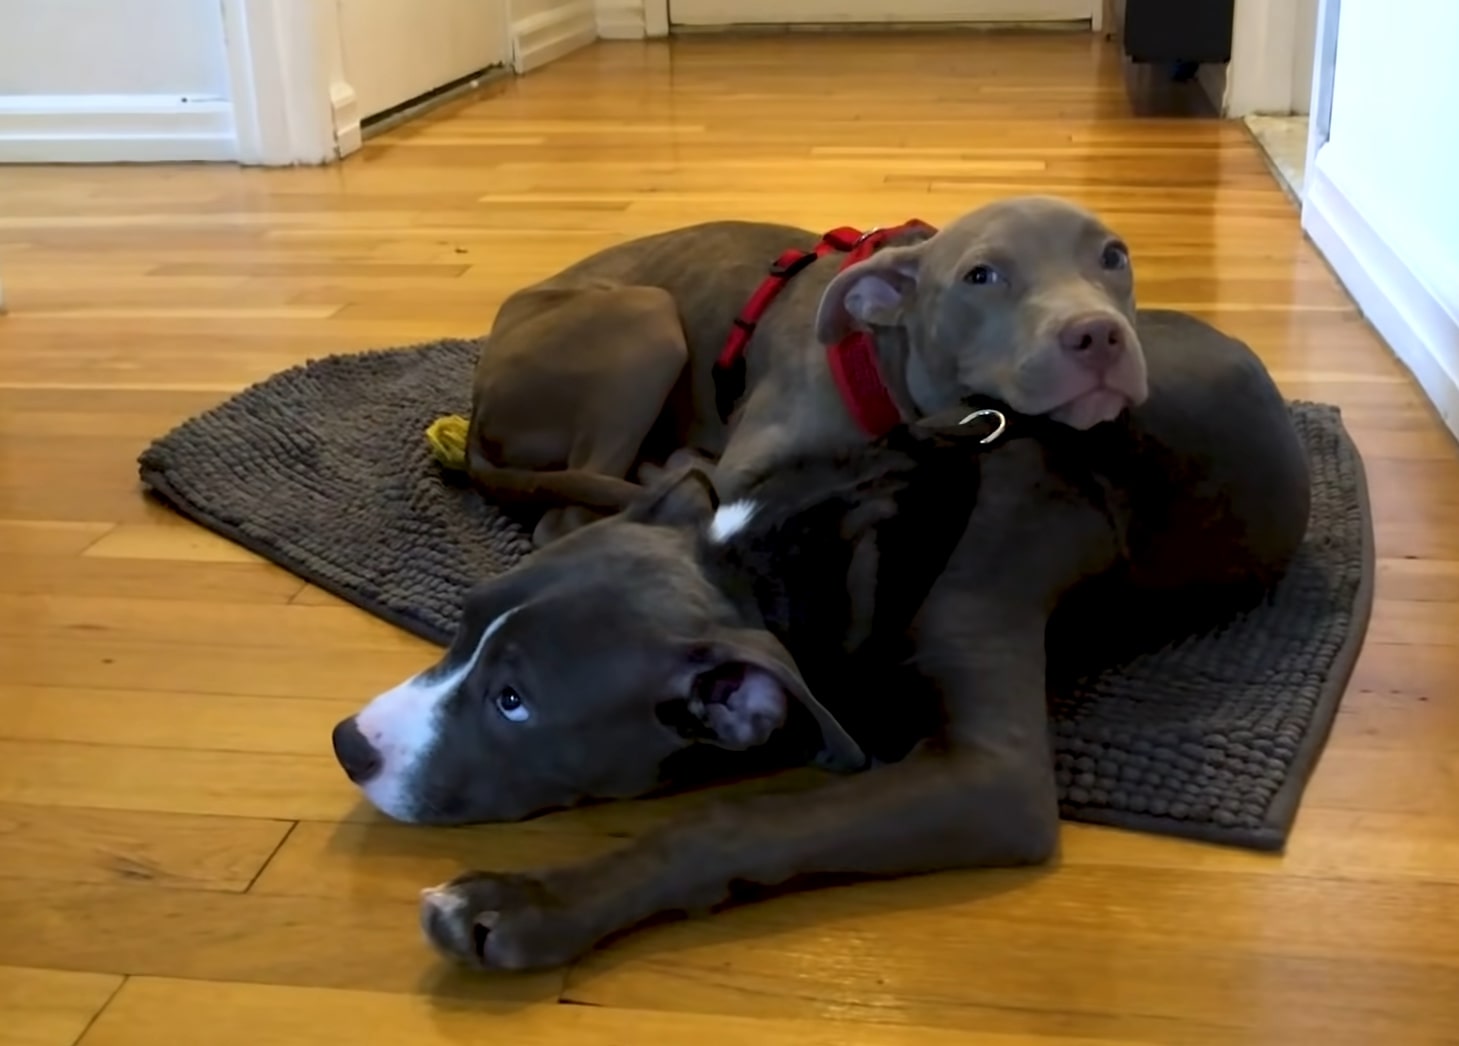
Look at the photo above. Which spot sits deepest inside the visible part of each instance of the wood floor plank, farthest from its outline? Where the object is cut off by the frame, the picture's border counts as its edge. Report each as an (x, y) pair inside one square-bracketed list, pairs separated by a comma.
[(1418, 579), (1392, 719), (22, 540), (313, 596), (179, 579), (1418, 622), (334, 942), (48, 844), (109, 501), (198, 622), (179, 540), (216, 668), (151, 1010), (1429, 671), (158, 719), (1220, 971), (50, 1007), (177, 780)]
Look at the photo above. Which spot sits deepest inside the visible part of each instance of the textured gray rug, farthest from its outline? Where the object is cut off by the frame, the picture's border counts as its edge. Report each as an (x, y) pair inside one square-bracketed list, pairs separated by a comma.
[(323, 469)]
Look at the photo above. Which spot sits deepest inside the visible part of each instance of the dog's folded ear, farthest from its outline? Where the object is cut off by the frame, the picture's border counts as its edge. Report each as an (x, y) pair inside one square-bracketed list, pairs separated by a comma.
[(735, 691), (685, 498), (871, 293)]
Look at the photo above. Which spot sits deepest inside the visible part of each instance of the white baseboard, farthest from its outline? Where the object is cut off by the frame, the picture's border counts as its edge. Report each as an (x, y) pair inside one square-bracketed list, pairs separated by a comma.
[(545, 37), (345, 107), (620, 20), (110, 128), (1408, 312)]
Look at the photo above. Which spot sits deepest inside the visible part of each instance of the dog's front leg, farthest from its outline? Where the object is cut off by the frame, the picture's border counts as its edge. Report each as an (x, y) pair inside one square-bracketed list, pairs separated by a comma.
[(987, 806), (983, 795)]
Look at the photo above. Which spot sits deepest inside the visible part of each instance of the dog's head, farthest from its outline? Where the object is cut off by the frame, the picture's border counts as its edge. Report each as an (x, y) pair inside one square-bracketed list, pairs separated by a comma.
[(1029, 300), (579, 673)]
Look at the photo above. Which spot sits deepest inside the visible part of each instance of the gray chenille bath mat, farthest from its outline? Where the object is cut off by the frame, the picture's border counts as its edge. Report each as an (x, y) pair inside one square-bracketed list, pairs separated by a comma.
[(323, 469)]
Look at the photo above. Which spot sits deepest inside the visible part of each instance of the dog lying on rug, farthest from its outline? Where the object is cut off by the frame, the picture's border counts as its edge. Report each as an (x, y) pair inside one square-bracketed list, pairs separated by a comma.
[(681, 343), (884, 612)]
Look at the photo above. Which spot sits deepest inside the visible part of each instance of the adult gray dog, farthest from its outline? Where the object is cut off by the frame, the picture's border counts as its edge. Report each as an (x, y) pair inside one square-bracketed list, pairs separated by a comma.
[(894, 612), (645, 350)]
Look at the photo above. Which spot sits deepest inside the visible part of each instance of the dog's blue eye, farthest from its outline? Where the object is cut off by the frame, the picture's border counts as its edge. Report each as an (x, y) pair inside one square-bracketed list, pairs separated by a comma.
[(509, 704), (982, 275), (1115, 256)]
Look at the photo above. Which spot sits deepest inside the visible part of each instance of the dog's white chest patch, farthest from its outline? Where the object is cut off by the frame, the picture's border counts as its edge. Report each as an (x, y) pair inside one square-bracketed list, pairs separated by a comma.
[(730, 519)]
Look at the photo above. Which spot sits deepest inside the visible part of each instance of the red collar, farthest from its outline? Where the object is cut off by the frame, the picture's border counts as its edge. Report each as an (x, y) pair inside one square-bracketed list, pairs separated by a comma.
[(852, 359)]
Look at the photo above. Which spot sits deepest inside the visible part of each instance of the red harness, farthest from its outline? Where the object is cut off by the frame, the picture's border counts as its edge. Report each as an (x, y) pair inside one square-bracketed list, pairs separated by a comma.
[(852, 359)]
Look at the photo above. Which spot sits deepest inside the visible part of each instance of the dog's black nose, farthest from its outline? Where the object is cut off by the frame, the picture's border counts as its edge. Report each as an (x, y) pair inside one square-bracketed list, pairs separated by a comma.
[(356, 755)]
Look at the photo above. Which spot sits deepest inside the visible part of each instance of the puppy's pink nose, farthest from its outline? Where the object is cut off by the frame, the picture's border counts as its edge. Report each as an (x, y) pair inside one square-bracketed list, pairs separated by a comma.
[(1096, 340)]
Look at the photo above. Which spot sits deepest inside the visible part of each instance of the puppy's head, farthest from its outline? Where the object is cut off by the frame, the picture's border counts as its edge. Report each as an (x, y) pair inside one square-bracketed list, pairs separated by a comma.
[(577, 675), (1029, 300)]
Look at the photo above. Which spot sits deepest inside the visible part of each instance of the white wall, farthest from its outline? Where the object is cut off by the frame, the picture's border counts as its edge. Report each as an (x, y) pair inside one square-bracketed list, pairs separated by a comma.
[(1303, 51), (1383, 202), (76, 75), (253, 81), (621, 19), (393, 52), (1270, 71), (544, 30), (112, 47)]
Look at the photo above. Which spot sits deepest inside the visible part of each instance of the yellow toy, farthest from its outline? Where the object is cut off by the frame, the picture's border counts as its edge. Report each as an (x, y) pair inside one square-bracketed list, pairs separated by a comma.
[(447, 437)]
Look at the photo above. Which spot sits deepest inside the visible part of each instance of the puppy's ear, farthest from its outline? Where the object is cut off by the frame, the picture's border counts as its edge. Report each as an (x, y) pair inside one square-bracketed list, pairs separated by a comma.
[(871, 293), (686, 498), (736, 690)]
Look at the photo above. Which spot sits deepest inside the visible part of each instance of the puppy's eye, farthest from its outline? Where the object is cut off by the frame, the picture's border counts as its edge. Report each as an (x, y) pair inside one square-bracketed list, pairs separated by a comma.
[(1116, 256), (510, 704), (983, 276)]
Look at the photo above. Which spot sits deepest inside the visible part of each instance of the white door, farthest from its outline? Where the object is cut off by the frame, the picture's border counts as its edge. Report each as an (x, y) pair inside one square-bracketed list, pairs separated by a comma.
[(398, 50), (834, 12)]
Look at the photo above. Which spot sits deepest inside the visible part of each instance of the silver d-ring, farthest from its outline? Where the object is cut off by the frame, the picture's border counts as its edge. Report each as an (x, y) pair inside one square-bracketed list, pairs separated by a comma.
[(988, 412)]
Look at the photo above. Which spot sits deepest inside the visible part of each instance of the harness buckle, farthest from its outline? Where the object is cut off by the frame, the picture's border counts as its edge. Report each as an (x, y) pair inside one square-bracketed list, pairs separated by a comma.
[(790, 263)]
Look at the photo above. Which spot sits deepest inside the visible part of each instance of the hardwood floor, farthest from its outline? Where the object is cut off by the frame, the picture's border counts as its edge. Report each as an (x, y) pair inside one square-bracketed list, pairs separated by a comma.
[(180, 861)]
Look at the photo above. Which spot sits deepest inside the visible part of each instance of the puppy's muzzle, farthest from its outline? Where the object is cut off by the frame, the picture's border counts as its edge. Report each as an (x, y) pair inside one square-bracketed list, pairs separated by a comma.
[(359, 759)]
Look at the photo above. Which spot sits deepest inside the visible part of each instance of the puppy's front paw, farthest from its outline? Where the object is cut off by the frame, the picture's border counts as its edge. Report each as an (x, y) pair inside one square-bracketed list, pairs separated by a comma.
[(502, 922)]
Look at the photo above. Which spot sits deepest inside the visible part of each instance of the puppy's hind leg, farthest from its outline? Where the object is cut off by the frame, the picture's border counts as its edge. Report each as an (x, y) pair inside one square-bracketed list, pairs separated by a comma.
[(639, 353)]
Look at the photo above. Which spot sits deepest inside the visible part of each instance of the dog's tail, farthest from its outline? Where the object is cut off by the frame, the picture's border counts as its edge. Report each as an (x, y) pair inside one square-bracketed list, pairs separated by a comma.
[(558, 488)]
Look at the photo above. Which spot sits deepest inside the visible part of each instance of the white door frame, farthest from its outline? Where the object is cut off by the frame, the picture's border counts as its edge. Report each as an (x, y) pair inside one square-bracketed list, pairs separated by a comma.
[(291, 102), (1259, 78), (656, 17), (1324, 76)]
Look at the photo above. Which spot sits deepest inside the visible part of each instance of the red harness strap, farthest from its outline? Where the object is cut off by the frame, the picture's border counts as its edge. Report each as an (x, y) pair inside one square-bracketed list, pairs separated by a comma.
[(852, 359)]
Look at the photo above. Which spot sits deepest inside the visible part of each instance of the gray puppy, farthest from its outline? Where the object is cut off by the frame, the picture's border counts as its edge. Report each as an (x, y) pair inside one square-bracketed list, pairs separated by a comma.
[(651, 347)]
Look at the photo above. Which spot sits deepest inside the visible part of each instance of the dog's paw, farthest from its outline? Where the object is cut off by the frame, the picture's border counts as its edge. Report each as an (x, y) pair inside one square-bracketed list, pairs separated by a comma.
[(501, 922)]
